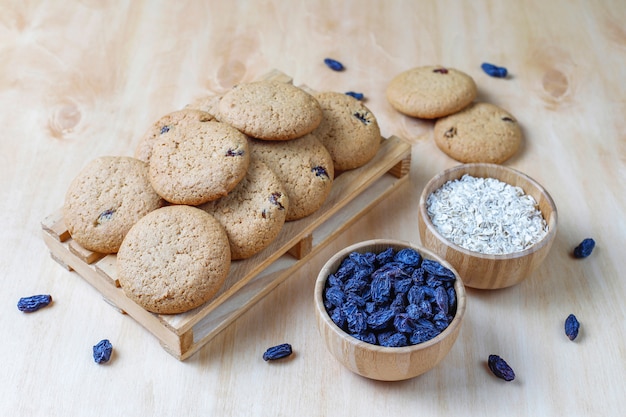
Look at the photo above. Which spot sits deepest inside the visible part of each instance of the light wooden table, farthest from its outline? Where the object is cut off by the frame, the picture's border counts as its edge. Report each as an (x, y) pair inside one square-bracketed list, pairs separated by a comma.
[(80, 79)]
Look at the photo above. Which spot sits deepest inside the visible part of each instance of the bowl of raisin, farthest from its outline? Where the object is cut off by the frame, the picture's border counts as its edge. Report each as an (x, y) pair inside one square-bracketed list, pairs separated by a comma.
[(494, 224), (388, 310)]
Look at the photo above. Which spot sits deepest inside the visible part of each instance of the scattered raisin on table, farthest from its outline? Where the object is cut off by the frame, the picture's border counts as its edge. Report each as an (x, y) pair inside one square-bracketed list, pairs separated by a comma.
[(102, 351), (585, 248), (277, 352), (358, 96), (334, 64), (500, 368), (33, 303), (494, 70), (572, 326)]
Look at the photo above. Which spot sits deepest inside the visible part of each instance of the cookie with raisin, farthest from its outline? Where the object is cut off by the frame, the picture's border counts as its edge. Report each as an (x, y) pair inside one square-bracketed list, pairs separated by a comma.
[(349, 130), (482, 132), (305, 168), (254, 212), (198, 163), (430, 92), (105, 199)]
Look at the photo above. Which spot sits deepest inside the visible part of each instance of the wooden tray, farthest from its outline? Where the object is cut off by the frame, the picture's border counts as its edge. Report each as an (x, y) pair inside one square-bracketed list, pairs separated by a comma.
[(353, 194)]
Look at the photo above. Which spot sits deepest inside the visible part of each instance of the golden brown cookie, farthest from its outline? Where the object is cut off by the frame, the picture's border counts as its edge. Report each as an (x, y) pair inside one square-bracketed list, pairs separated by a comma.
[(107, 197), (254, 212), (174, 259), (198, 163), (482, 132), (430, 92), (165, 125), (348, 130), (305, 168), (270, 110)]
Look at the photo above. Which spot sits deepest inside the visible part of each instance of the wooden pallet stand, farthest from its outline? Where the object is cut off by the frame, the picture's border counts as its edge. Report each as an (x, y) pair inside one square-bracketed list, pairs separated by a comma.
[(353, 194)]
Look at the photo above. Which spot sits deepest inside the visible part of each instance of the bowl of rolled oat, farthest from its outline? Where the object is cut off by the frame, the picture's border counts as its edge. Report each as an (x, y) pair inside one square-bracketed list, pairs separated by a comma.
[(495, 225), (388, 310)]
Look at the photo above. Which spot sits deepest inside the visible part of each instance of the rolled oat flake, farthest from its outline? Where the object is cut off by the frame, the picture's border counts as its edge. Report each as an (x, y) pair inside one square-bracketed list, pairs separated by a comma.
[(486, 215)]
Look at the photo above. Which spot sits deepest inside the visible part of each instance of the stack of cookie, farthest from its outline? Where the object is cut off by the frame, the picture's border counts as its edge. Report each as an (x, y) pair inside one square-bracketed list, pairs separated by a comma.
[(215, 182), (466, 130)]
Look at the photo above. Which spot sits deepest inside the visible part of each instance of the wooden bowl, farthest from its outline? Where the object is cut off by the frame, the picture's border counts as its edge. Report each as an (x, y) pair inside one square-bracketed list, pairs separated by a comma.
[(486, 271), (380, 362)]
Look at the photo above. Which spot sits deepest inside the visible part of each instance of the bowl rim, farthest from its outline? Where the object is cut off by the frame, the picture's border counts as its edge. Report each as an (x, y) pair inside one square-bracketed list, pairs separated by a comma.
[(320, 284), (551, 222)]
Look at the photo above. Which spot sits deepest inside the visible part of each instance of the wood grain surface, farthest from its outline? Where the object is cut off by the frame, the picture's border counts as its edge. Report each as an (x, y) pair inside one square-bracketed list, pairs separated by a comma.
[(85, 78)]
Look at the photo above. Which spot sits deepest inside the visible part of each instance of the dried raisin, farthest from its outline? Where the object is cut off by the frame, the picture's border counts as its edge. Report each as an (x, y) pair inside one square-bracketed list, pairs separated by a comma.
[(274, 200), (380, 319), (277, 352), (334, 64), (435, 268), (358, 96), (585, 248), (500, 368), (364, 117), (441, 70), (105, 216), (494, 70), (235, 152), (102, 351), (450, 133), (33, 303), (408, 257), (571, 327), (320, 171)]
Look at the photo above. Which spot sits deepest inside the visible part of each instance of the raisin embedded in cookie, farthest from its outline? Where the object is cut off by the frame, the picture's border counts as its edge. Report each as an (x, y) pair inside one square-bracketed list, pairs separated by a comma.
[(348, 130), (198, 163), (305, 168), (430, 92), (107, 197), (174, 259), (482, 132), (254, 212), (270, 110)]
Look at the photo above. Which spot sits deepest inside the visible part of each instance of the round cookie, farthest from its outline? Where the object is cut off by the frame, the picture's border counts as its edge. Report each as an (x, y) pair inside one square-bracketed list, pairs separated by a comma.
[(253, 213), (270, 110), (305, 168), (199, 163), (482, 132), (107, 197), (174, 259), (348, 130), (430, 92), (165, 124)]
